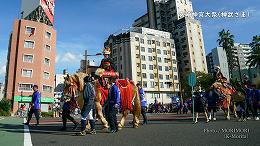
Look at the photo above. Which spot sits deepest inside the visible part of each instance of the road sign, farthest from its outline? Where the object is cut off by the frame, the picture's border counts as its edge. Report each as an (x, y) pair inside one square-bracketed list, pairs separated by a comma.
[(192, 79)]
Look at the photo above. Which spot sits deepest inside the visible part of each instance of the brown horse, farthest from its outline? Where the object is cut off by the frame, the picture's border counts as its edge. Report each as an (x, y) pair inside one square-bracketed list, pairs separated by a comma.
[(75, 83), (224, 93)]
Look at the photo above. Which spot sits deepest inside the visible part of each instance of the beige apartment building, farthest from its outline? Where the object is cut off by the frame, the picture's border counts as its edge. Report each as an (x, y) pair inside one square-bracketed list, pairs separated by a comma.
[(147, 56)]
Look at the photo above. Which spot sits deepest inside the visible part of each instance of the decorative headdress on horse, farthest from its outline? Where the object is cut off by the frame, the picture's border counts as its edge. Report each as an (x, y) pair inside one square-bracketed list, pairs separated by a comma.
[(106, 51), (217, 67)]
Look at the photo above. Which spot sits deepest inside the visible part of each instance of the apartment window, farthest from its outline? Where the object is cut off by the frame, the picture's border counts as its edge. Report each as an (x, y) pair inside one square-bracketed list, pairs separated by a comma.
[(159, 59), (115, 59), (152, 84), (164, 52), (25, 87), (172, 45), (174, 61), (143, 57), (28, 58), (142, 49), (168, 44), (120, 58), (48, 35), (164, 44), (30, 30), (149, 42), (144, 75), (47, 61), (167, 77), (151, 76), (142, 41), (29, 44), (160, 68), (175, 69), (46, 75), (47, 47), (158, 43), (175, 77), (161, 76), (144, 84), (143, 66), (137, 39), (150, 58), (166, 68), (150, 67), (153, 41), (173, 53), (27, 73), (158, 51), (166, 60), (47, 88), (150, 50), (161, 85)]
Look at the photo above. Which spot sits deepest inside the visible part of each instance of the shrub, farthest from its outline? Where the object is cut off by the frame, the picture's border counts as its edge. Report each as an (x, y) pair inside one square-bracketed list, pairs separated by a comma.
[(47, 114), (5, 107)]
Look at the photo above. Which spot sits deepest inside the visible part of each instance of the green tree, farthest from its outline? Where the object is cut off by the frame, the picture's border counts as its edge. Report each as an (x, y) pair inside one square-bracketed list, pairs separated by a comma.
[(254, 58), (204, 80), (226, 41)]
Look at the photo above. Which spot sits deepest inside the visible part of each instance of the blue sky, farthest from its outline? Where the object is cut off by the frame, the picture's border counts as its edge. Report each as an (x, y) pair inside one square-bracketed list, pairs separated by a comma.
[(85, 24)]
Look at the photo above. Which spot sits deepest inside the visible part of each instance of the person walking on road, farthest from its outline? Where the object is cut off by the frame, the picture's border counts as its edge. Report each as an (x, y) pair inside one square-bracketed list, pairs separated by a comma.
[(88, 110), (199, 106), (113, 102), (34, 106), (143, 103)]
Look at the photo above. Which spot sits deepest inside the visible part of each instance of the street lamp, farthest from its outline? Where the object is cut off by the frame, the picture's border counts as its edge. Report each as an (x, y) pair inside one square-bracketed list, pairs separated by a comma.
[(86, 58)]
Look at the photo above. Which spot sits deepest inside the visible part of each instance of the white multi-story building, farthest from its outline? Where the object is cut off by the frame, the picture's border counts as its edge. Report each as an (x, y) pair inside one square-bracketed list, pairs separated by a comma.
[(242, 51), (147, 56), (1, 91), (218, 57), (174, 16)]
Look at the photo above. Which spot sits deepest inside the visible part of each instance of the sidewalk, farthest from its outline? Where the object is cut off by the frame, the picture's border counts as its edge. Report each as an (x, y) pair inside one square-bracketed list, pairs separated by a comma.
[(11, 131)]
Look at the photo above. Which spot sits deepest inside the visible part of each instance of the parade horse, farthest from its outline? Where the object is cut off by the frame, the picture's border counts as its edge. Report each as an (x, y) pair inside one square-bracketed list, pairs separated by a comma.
[(75, 83), (224, 93)]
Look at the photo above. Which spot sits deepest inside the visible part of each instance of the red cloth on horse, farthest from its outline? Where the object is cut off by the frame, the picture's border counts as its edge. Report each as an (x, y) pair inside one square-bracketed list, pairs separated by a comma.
[(110, 74), (104, 95), (125, 88)]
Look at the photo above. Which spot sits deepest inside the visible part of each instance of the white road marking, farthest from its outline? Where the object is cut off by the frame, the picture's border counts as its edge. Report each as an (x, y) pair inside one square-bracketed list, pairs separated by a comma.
[(27, 135), (1, 118)]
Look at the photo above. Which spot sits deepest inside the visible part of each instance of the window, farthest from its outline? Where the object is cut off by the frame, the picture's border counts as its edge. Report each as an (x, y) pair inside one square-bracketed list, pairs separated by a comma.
[(150, 67), (144, 75), (160, 68), (25, 87), (166, 68), (29, 44), (149, 42), (172, 45), (175, 69), (158, 43), (164, 44), (168, 44), (143, 57), (47, 61), (167, 77), (144, 84), (47, 88), (48, 35), (161, 76), (28, 58), (174, 61), (175, 77), (152, 84), (150, 50), (173, 53), (137, 39), (161, 85), (164, 52), (47, 47), (27, 73), (142, 49), (159, 59), (153, 41), (150, 58), (143, 66), (166, 60), (142, 41), (46, 75), (121, 58), (30, 30), (151, 76), (158, 51)]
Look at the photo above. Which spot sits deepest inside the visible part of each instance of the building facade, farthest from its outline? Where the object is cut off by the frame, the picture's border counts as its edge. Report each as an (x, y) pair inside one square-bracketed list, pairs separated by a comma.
[(218, 57), (31, 58), (147, 56), (174, 16), (242, 51)]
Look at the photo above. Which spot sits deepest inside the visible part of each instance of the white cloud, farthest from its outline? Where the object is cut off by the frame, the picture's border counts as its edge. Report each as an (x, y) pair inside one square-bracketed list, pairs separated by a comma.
[(68, 57), (3, 70)]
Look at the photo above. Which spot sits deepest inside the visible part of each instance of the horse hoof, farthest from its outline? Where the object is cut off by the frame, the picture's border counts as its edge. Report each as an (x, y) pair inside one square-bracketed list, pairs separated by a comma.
[(120, 128), (228, 118)]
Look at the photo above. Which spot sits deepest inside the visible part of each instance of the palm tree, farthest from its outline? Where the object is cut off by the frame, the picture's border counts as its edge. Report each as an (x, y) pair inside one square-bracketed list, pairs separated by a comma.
[(226, 41), (254, 58)]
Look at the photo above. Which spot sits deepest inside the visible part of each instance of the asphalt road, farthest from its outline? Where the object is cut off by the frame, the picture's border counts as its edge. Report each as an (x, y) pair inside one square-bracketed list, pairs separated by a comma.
[(163, 130)]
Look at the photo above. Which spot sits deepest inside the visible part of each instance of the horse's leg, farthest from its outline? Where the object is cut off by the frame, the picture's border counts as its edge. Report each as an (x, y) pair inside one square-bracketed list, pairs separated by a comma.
[(235, 110), (122, 122), (228, 108), (206, 115), (100, 114), (136, 116)]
